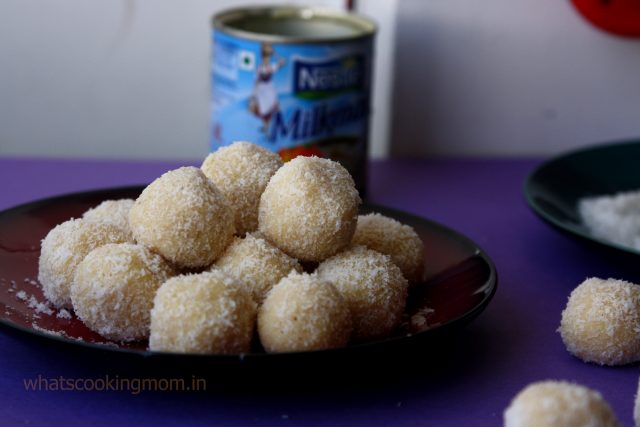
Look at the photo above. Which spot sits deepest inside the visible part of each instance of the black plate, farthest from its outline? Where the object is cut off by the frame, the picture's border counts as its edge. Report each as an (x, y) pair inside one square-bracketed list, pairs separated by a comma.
[(460, 280), (554, 188)]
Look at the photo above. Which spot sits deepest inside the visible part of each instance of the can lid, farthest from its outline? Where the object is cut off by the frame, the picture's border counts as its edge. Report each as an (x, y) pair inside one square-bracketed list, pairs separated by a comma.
[(293, 24)]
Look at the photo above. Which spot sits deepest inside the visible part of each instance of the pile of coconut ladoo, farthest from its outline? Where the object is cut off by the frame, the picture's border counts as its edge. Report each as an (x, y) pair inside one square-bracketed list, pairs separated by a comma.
[(205, 257)]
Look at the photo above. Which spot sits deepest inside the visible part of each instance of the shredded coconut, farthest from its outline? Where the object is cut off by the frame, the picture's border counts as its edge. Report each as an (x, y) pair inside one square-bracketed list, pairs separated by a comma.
[(114, 290), (184, 217), (419, 319), (256, 264), (64, 248), (303, 313), (309, 209), (39, 307), (601, 322), (615, 218), (372, 285), (202, 313), (63, 314), (241, 171), (115, 212), (390, 237), (48, 331), (559, 403)]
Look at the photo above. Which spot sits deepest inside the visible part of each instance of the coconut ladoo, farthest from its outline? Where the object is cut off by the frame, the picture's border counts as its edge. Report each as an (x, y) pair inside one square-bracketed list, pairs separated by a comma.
[(183, 217), (309, 209), (114, 287), (373, 287), (64, 247), (256, 264), (304, 313), (202, 313), (114, 212), (601, 321), (559, 404), (391, 237), (241, 172)]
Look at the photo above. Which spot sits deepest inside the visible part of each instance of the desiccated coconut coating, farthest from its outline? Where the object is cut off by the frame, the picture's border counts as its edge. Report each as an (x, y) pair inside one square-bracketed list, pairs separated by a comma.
[(372, 285), (241, 171), (256, 264), (202, 313), (183, 217), (390, 237), (64, 248), (114, 287), (601, 322), (114, 212), (303, 313), (559, 404), (309, 208)]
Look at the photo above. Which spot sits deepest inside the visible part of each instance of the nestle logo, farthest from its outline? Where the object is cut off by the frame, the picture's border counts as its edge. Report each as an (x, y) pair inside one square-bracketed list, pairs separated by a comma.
[(321, 79)]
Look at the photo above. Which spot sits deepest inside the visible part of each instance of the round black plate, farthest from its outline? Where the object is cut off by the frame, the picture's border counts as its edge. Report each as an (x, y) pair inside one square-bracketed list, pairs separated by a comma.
[(460, 280), (554, 188)]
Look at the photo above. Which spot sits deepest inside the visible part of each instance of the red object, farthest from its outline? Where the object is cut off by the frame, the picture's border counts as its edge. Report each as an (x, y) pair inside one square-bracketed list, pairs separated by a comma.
[(350, 5), (620, 17), (301, 150)]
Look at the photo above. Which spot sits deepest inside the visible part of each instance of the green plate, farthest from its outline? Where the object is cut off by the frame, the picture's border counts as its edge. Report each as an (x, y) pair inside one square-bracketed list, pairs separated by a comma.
[(554, 188)]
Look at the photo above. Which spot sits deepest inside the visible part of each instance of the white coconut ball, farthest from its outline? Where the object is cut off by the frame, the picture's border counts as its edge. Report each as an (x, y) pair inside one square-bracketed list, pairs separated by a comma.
[(183, 217), (601, 322), (559, 404)]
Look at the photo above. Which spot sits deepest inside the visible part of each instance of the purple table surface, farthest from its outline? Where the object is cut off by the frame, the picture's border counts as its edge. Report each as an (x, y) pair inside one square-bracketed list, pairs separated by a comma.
[(511, 344)]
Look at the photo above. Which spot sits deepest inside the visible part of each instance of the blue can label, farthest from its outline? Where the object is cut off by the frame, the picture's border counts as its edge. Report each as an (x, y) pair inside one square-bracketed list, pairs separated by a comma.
[(295, 99)]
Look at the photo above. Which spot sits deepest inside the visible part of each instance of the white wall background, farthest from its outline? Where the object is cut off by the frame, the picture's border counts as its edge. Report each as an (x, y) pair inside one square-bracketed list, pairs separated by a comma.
[(509, 77), (119, 79), (130, 78)]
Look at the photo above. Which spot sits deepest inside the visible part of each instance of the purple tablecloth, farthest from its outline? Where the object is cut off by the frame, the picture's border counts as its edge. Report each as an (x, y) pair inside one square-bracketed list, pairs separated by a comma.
[(512, 343)]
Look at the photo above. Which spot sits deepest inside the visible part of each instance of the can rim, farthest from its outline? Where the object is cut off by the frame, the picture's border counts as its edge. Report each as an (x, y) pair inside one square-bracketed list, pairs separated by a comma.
[(363, 26)]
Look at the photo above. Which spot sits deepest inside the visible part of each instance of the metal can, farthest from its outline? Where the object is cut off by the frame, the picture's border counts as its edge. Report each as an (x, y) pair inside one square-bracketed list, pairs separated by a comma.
[(295, 80)]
